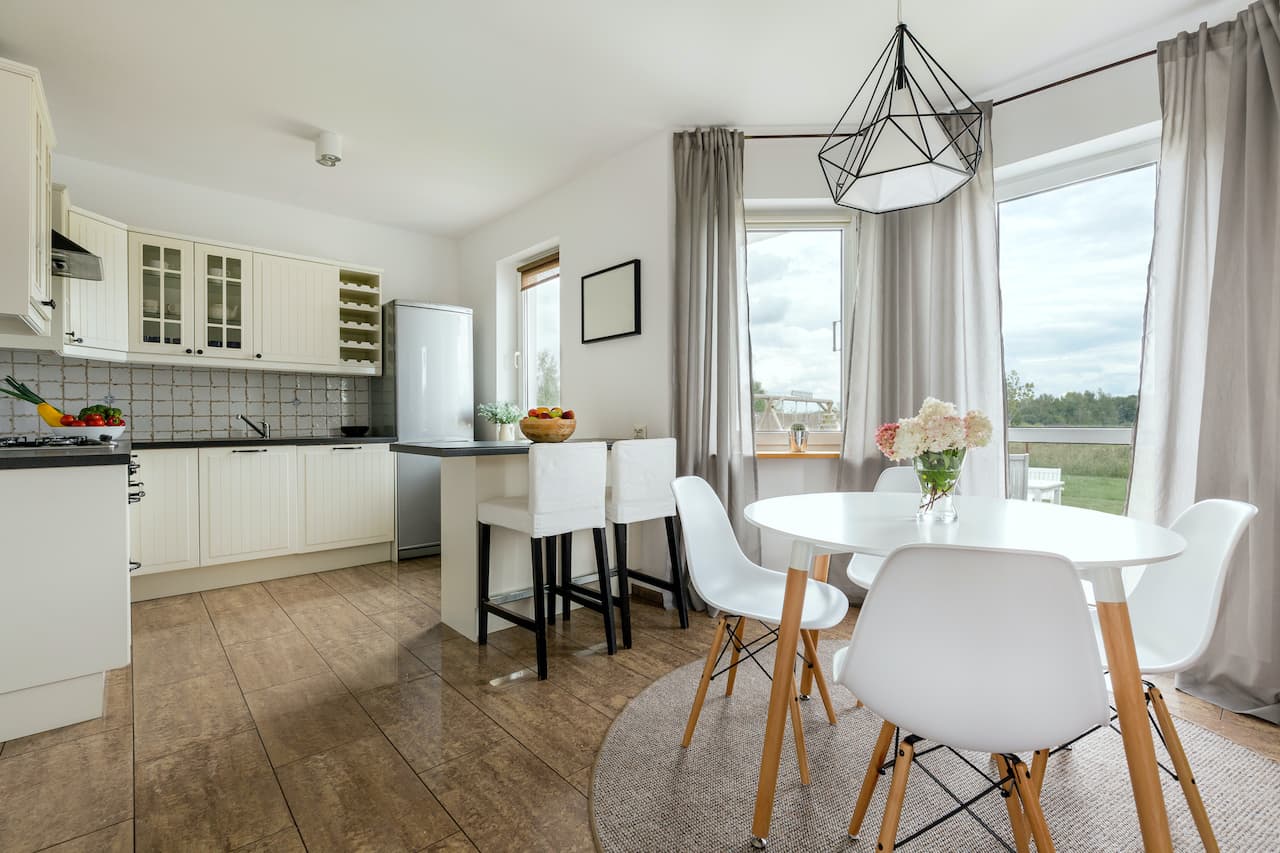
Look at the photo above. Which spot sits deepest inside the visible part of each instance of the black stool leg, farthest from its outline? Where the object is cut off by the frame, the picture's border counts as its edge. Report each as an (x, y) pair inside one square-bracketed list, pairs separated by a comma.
[(624, 582), (550, 542), (606, 592), (566, 570), (539, 605), (677, 574), (482, 577)]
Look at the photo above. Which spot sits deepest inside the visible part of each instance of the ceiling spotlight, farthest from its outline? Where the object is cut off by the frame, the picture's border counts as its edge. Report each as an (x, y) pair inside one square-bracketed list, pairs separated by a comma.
[(328, 148)]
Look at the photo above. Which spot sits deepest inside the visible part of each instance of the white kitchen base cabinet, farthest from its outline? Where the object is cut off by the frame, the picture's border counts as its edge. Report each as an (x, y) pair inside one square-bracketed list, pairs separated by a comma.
[(64, 615), (221, 516), (247, 503), (348, 495), (165, 524)]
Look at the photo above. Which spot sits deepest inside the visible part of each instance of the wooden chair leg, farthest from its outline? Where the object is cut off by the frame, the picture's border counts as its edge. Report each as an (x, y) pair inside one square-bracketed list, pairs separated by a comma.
[(821, 568), (733, 655), (624, 582), (678, 591), (1182, 767), (797, 729), (1030, 803), (1039, 763), (482, 577), (814, 666), (1017, 820), (550, 546), (806, 675), (539, 603), (707, 669), (606, 589), (897, 790), (883, 742)]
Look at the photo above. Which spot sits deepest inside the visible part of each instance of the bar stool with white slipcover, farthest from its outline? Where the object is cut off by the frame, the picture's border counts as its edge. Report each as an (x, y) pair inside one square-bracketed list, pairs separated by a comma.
[(735, 586), (922, 662), (566, 493), (640, 475)]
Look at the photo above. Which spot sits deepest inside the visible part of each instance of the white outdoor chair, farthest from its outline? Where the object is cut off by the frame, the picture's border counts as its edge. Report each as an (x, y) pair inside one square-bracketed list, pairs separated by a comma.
[(640, 475), (1174, 609), (940, 653), (566, 493), (1016, 479), (735, 586), (863, 567), (1045, 485)]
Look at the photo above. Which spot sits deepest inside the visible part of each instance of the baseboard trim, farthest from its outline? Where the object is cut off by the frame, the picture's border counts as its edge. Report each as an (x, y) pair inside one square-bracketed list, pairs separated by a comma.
[(183, 581)]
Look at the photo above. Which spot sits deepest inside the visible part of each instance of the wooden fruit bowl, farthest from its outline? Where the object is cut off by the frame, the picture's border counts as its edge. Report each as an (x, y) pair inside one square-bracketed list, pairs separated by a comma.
[(547, 429)]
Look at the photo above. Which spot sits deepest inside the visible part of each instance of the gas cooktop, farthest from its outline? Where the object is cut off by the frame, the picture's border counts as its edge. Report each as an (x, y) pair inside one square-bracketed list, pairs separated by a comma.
[(55, 443)]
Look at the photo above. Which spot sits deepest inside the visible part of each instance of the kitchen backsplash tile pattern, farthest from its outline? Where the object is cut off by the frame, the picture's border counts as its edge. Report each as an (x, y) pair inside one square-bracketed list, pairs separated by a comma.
[(161, 403)]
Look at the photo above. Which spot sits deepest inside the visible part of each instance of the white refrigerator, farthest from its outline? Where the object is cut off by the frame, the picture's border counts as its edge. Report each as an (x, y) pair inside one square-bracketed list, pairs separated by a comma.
[(426, 393)]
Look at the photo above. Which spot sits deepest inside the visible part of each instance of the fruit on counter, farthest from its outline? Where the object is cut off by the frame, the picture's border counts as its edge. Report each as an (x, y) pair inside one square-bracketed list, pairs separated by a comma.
[(106, 412), (77, 422), (533, 413), (544, 413), (67, 420), (16, 389), (568, 415)]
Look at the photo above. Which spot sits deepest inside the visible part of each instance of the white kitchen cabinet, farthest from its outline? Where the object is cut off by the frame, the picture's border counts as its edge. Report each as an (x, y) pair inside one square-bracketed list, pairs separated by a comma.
[(164, 526), (297, 309), (95, 314), (26, 204), (347, 495), (160, 295), (224, 302), (247, 503)]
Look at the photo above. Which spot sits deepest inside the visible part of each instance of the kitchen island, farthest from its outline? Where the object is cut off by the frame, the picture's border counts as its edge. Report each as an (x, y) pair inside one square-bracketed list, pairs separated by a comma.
[(470, 472)]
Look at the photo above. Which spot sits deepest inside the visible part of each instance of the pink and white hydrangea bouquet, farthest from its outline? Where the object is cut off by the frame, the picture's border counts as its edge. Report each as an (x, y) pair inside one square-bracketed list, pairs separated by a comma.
[(936, 440)]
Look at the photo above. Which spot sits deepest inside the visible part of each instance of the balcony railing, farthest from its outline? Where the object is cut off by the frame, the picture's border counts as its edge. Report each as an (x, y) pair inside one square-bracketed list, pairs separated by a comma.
[(1094, 462)]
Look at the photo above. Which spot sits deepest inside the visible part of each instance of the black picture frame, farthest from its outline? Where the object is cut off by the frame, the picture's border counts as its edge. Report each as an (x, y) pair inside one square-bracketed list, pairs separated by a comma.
[(634, 329)]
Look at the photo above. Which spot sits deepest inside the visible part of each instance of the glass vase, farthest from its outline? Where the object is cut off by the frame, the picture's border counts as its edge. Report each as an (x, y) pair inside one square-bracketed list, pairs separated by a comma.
[(938, 472)]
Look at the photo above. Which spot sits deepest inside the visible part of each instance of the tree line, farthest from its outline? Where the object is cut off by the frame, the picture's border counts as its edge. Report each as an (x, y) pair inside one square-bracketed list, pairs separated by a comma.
[(1075, 408)]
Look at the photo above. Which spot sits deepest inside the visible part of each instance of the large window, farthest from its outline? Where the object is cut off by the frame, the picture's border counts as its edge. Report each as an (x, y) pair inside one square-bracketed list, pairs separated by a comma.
[(540, 332), (794, 285), (1073, 275)]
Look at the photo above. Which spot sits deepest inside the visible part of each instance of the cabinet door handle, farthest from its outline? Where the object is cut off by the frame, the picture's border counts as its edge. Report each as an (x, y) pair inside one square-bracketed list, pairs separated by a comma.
[(74, 339), (49, 303), (188, 351), (257, 355), (199, 352), (348, 447), (251, 450), (134, 565)]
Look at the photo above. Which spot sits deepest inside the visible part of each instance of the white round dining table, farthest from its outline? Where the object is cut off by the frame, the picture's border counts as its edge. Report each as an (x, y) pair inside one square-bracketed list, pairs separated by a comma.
[(1099, 544)]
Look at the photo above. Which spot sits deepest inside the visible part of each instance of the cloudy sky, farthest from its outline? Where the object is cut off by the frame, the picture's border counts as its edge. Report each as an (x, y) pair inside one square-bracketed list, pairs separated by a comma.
[(1073, 271), (794, 290)]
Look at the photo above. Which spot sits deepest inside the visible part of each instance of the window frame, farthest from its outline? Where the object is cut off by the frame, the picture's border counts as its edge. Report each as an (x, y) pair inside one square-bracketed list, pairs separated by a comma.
[(774, 441), (531, 275)]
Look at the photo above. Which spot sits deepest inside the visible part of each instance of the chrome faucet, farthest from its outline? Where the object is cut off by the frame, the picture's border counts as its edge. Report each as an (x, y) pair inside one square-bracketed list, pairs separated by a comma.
[(264, 430)]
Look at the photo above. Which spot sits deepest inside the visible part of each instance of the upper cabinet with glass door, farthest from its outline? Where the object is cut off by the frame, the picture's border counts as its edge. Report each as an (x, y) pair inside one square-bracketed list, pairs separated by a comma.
[(161, 295), (224, 299)]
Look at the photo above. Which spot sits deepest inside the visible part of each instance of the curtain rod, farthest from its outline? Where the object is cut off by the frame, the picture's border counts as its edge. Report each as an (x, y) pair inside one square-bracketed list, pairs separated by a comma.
[(1034, 91)]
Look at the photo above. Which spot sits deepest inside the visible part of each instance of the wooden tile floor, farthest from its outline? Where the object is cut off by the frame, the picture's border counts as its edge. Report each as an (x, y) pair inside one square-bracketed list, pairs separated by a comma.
[(334, 712)]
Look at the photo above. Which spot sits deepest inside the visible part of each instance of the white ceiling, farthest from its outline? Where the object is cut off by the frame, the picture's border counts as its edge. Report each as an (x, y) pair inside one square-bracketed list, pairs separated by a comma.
[(454, 112)]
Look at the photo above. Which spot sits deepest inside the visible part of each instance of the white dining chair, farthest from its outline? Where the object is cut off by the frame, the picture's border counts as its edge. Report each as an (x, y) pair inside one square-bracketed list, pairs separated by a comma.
[(900, 479), (735, 586), (640, 475), (1174, 608), (566, 493), (941, 652)]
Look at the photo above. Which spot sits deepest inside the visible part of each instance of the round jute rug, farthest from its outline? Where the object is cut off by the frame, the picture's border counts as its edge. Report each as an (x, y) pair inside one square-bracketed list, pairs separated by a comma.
[(648, 794)]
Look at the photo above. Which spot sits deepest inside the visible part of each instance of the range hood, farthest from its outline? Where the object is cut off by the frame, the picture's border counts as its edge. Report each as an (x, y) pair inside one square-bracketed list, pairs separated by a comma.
[(69, 259)]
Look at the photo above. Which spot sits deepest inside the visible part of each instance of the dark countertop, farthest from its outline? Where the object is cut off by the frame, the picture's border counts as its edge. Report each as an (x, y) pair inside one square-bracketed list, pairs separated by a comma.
[(255, 441), (447, 449), (65, 457)]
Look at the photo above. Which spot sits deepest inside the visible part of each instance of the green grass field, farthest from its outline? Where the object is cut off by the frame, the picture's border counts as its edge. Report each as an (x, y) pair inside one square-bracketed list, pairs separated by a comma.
[(1096, 475)]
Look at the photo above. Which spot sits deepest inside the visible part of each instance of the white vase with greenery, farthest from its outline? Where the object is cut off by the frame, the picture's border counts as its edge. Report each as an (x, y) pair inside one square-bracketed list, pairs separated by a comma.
[(503, 414)]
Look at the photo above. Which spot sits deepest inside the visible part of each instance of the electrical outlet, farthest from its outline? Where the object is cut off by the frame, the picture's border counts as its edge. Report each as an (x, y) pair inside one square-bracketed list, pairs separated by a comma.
[(640, 431)]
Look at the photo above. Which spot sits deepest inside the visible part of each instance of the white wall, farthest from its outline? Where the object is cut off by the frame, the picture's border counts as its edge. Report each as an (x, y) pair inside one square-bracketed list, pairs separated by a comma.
[(416, 266), (610, 213)]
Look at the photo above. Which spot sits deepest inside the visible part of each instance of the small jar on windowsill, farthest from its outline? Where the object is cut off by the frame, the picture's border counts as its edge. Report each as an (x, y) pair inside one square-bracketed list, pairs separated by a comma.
[(798, 438)]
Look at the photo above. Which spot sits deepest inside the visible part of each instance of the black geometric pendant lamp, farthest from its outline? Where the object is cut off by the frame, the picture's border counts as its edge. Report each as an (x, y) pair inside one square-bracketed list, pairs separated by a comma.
[(910, 136)]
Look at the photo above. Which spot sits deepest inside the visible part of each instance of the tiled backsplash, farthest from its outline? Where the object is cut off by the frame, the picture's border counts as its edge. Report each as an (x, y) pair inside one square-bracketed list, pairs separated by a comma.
[(162, 403)]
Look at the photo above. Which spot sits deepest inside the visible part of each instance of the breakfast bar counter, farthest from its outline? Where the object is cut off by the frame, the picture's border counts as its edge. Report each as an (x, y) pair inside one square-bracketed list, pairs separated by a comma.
[(470, 472)]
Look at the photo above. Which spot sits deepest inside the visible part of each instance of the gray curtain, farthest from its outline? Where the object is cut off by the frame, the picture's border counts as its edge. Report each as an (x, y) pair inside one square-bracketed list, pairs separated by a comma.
[(924, 321), (1210, 387), (713, 425)]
